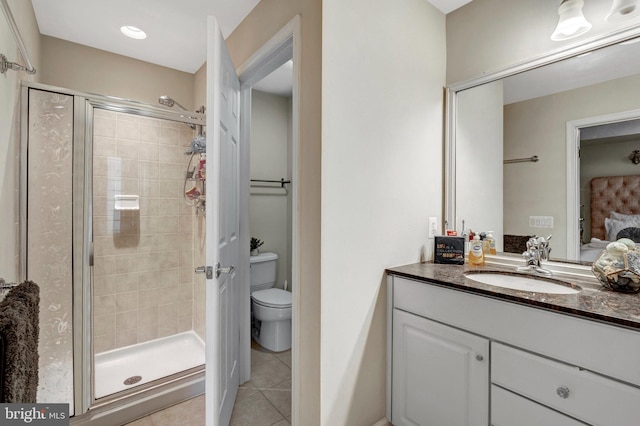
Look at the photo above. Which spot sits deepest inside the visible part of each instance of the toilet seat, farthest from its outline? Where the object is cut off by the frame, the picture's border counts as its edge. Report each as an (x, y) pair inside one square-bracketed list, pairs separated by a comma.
[(272, 298)]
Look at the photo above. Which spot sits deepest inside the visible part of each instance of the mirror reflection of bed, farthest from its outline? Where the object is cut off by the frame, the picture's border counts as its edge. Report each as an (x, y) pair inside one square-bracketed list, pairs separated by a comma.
[(614, 213)]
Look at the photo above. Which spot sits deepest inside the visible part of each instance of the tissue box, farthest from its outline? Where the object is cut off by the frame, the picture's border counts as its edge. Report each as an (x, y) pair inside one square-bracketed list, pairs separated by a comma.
[(449, 250)]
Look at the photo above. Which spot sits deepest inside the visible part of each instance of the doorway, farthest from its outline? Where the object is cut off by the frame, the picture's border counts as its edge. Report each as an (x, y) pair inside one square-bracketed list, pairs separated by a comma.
[(281, 53), (577, 202)]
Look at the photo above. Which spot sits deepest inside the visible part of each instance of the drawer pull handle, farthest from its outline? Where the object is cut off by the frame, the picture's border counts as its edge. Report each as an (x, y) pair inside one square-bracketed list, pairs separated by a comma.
[(479, 357), (563, 392)]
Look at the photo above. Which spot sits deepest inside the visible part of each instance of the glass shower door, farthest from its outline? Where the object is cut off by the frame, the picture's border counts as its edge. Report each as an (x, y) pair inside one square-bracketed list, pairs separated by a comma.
[(144, 310)]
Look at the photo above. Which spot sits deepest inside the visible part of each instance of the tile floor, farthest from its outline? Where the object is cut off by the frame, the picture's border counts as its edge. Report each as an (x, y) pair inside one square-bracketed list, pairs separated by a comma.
[(263, 401)]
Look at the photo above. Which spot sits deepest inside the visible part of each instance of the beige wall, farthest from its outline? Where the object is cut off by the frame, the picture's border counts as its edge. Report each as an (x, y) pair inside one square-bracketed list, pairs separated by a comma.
[(383, 72), (540, 125), (258, 27), (269, 210), (74, 66), (10, 131), (488, 35), (200, 87)]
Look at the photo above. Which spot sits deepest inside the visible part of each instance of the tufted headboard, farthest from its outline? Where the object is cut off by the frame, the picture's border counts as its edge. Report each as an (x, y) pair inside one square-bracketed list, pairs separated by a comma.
[(612, 193)]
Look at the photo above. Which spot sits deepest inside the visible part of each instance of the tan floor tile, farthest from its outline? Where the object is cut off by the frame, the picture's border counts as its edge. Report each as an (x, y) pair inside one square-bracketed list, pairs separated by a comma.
[(286, 385), (244, 393), (268, 374), (258, 357), (255, 411), (145, 421), (284, 357), (281, 399)]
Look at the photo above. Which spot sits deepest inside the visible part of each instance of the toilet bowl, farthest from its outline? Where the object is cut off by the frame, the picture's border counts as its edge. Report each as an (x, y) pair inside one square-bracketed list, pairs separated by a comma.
[(272, 319), (270, 307)]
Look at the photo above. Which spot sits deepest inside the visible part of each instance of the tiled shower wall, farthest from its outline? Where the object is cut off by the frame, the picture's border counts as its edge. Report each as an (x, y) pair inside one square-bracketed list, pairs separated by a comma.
[(143, 281)]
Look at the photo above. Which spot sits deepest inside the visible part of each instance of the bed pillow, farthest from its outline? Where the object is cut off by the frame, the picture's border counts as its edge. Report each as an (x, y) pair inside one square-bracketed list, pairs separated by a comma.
[(627, 217), (613, 226), (630, 233)]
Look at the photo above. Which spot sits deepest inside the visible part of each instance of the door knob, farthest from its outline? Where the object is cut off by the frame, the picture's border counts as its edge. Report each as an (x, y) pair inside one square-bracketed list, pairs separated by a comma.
[(563, 392), (224, 270), (208, 270)]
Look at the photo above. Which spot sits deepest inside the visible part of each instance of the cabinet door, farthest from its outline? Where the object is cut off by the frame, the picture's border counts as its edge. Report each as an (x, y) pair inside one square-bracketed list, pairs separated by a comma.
[(440, 374)]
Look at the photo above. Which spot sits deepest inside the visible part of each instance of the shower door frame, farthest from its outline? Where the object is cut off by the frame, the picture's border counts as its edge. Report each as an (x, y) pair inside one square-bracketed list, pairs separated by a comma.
[(82, 217)]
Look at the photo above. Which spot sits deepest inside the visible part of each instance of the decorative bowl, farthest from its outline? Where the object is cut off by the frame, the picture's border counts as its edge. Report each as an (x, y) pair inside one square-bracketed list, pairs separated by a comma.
[(618, 271)]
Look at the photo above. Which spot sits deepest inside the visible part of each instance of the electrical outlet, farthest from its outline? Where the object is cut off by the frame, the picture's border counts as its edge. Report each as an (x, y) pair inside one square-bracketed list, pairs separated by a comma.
[(433, 227), (541, 221)]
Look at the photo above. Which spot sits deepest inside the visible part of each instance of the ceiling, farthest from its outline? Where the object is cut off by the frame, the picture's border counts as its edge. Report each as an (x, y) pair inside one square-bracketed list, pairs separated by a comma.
[(601, 65), (176, 29), (177, 38)]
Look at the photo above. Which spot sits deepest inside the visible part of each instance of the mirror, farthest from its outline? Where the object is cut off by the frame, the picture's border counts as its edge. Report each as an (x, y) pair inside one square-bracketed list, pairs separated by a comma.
[(513, 164)]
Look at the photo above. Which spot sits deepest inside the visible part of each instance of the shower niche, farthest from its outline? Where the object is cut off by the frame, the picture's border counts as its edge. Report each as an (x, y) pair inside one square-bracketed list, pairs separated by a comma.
[(107, 204)]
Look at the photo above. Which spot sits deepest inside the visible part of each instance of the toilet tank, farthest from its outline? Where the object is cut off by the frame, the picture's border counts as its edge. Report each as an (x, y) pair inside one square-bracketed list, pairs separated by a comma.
[(262, 271)]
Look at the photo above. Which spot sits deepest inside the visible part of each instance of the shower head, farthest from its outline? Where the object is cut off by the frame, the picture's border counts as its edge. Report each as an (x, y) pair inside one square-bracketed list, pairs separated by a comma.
[(169, 102)]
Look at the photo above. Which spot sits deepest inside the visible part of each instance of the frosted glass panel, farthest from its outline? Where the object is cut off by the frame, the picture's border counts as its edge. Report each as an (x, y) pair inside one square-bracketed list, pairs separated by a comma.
[(49, 248)]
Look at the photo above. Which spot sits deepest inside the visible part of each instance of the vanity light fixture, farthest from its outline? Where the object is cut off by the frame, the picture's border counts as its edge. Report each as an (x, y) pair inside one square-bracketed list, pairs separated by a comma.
[(635, 156), (622, 10), (572, 22), (133, 32)]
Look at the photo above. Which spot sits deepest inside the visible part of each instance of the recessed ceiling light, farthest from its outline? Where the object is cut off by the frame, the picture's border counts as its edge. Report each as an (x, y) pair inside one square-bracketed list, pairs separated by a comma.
[(133, 32)]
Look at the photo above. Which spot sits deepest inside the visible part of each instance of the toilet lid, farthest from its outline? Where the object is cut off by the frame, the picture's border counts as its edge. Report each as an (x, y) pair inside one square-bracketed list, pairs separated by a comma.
[(272, 297)]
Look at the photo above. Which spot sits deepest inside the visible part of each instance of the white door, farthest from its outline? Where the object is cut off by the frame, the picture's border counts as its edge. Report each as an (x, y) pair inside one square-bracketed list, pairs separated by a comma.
[(222, 224)]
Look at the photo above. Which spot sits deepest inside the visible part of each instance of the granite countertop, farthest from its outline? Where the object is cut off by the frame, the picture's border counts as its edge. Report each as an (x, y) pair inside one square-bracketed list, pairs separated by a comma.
[(593, 302)]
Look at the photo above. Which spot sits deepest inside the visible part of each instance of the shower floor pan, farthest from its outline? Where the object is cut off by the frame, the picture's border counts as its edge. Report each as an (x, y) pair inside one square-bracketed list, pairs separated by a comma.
[(127, 367)]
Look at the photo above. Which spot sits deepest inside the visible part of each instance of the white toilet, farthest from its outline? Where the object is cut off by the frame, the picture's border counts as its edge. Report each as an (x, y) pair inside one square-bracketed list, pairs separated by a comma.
[(271, 307)]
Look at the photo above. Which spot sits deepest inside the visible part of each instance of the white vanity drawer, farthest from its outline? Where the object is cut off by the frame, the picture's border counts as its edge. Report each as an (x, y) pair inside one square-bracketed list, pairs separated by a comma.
[(568, 389), (509, 409)]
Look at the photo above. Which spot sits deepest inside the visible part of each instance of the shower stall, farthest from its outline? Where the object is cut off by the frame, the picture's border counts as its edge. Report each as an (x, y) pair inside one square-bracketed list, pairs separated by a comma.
[(112, 239)]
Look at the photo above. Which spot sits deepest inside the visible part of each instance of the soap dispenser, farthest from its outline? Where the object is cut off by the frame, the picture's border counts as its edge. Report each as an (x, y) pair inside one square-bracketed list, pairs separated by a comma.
[(492, 242), (476, 255)]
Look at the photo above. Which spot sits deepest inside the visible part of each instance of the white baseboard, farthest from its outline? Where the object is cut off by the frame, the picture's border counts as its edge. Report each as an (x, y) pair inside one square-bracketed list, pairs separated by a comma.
[(383, 422)]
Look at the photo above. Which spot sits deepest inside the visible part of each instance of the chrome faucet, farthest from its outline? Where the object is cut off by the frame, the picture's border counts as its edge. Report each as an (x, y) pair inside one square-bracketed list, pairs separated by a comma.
[(537, 250)]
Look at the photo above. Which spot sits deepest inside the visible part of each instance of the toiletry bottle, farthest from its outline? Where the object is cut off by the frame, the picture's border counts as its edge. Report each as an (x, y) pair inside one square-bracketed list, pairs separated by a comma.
[(492, 242), (476, 255), (485, 243), (467, 240)]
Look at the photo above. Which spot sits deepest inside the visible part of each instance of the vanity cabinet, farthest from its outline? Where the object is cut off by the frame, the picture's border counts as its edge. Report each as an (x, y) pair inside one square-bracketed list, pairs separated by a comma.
[(440, 374), (458, 358)]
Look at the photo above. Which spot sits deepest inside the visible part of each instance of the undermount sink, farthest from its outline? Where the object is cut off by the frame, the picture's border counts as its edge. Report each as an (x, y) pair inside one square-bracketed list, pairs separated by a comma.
[(523, 282)]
